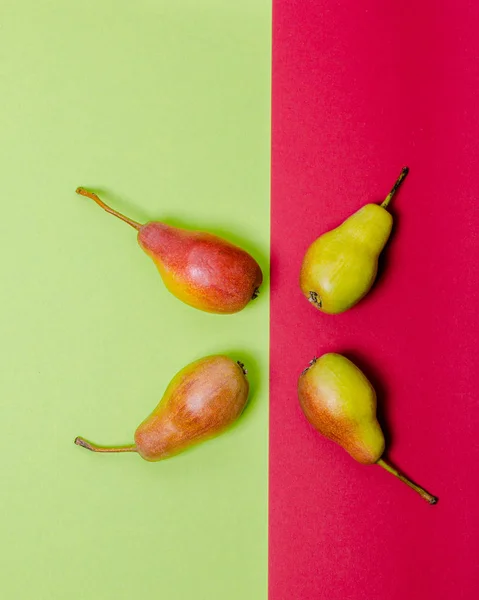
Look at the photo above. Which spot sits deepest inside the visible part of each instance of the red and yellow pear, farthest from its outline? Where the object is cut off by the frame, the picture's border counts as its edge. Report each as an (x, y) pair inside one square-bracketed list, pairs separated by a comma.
[(201, 269), (201, 401), (340, 402)]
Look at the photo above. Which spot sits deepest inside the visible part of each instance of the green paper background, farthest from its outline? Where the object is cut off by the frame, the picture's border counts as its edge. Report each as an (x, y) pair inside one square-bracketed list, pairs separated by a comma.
[(165, 107)]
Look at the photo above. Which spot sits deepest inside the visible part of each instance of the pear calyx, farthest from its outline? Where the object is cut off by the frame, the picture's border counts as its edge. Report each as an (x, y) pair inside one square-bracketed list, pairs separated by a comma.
[(310, 364), (242, 367), (315, 299)]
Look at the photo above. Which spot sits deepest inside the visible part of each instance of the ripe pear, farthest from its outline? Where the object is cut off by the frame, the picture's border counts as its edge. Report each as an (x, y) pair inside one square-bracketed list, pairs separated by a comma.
[(340, 403), (201, 269), (201, 401), (340, 267)]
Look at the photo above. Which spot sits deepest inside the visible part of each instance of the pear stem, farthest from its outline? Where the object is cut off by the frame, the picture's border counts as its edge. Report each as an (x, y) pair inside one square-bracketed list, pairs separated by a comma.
[(79, 441), (83, 192), (395, 187), (421, 491)]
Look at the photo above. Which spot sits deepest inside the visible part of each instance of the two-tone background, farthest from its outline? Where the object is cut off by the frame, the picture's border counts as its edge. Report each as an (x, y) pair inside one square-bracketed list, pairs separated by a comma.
[(268, 125)]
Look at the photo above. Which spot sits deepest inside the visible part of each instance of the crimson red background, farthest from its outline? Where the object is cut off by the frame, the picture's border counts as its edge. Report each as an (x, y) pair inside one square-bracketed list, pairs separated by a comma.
[(361, 88)]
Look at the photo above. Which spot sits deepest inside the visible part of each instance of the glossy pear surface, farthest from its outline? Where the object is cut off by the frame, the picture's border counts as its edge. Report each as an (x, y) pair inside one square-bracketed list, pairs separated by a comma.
[(340, 267), (201, 402), (339, 401), (201, 269)]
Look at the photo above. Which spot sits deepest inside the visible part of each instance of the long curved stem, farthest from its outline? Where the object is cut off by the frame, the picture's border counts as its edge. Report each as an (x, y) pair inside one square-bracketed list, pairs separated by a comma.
[(421, 491), (83, 192), (395, 187), (79, 441)]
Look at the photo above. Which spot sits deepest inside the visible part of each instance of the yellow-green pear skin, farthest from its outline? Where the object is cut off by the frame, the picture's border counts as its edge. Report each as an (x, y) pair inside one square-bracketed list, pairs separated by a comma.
[(340, 403), (340, 267)]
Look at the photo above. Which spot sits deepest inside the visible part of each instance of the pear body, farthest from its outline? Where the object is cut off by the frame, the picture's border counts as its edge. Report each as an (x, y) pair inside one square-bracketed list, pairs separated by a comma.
[(201, 269), (340, 267), (201, 401), (340, 403)]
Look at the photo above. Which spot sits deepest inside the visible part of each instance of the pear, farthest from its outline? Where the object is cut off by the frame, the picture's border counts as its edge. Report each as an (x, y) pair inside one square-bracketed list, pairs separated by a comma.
[(201, 401), (340, 403), (201, 269), (340, 267)]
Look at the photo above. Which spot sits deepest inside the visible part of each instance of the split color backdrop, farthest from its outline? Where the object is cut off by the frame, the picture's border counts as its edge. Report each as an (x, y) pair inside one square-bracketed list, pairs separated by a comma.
[(165, 107)]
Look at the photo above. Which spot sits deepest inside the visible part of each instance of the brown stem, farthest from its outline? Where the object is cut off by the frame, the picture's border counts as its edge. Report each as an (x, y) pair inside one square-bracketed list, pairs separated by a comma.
[(79, 441), (395, 187), (94, 197), (421, 491)]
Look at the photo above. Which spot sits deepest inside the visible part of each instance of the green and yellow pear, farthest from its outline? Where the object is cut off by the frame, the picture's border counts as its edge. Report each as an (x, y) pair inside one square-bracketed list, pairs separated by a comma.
[(340, 267), (340, 402)]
